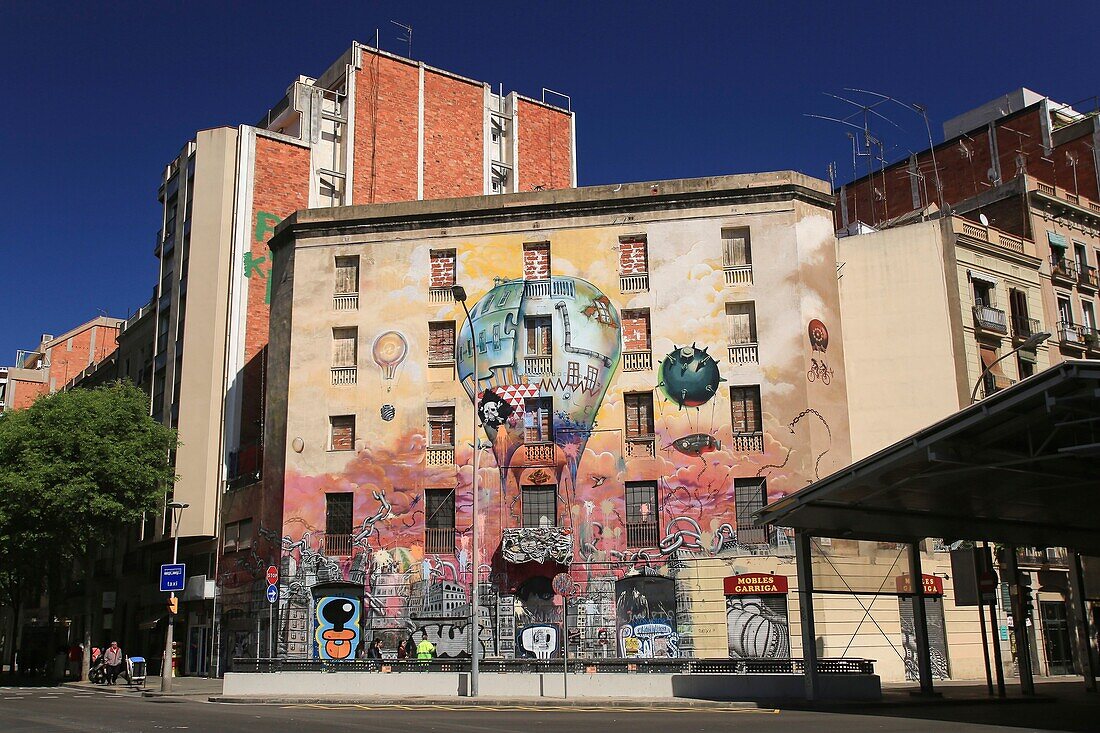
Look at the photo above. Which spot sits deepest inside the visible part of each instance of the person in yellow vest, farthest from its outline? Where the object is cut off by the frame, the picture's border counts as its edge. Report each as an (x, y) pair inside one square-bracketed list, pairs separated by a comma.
[(425, 650)]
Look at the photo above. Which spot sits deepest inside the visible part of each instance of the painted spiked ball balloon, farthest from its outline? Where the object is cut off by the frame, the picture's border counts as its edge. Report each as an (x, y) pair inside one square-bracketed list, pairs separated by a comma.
[(689, 376)]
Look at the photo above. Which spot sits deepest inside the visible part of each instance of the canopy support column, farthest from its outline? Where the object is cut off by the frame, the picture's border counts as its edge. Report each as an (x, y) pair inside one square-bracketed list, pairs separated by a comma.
[(806, 612), (1080, 612), (1019, 624), (920, 621)]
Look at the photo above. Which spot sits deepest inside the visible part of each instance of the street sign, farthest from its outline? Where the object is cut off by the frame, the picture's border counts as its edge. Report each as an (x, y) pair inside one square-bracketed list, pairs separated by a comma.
[(272, 593), (173, 577), (272, 575), (562, 584)]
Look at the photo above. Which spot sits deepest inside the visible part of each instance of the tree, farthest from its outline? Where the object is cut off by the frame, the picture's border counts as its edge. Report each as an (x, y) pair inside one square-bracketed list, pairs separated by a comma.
[(71, 465)]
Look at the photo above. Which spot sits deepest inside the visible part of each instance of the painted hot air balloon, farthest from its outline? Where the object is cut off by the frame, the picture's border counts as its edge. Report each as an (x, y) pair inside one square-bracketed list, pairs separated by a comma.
[(689, 376), (819, 336), (545, 357)]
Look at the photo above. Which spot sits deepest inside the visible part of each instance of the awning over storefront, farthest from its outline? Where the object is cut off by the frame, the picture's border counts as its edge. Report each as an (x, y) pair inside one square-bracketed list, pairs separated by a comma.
[(1018, 468)]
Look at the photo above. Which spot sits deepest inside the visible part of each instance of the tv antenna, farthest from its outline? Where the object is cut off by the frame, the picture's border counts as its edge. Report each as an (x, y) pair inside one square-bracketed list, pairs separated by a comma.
[(868, 144), (922, 110), (1071, 159), (407, 37)]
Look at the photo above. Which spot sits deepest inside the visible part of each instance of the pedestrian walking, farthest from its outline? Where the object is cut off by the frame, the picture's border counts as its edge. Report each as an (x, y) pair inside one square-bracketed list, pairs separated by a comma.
[(403, 649), (116, 662), (375, 650), (425, 650)]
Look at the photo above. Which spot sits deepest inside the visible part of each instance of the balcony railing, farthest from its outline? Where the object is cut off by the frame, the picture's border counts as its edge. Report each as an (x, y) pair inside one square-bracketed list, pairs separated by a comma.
[(1063, 268), (637, 361), (344, 375), (539, 453), (748, 442), (990, 319), (738, 275), (641, 535), (1053, 556), (440, 456), (345, 301), (640, 447), (442, 357), (1024, 327), (1091, 337), (991, 235), (440, 294), (636, 283), (555, 287), (1086, 277), (439, 540), (992, 383), (751, 535), (1070, 334), (337, 545), (746, 353), (536, 364)]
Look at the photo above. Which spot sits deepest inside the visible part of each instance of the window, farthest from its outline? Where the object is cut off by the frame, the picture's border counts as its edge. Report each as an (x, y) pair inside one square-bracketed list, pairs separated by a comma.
[(344, 347), (639, 414), (750, 495), (536, 261), (633, 264), (443, 268), (1025, 367), (1080, 254), (441, 342), (1065, 311), (441, 426), (538, 335), (540, 506), (342, 432), (338, 524), (983, 291), (1088, 316), (330, 188), (1021, 324), (741, 323), (537, 424), (347, 275), (635, 324), (745, 408), (439, 520), (237, 535), (736, 247), (641, 514)]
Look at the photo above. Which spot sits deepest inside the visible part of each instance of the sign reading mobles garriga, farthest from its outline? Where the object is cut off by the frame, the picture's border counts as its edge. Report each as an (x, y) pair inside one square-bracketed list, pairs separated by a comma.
[(756, 584)]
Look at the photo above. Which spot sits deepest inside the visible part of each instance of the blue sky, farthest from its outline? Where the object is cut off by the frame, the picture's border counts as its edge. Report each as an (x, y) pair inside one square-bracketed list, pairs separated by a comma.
[(98, 97)]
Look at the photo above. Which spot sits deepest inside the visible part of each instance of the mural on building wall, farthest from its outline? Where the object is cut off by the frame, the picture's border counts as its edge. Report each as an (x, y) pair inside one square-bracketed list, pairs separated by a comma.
[(549, 396), (819, 343), (337, 627)]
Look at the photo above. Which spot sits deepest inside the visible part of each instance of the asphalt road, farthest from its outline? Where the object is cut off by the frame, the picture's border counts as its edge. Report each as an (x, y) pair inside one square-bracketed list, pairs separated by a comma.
[(48, 709)]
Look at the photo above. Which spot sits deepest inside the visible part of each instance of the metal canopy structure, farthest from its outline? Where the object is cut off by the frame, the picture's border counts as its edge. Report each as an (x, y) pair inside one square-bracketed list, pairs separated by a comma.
[(1019, 468)]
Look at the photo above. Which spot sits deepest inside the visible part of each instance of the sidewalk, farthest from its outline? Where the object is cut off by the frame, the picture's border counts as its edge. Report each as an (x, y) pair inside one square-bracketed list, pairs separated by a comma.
[(183, 687)]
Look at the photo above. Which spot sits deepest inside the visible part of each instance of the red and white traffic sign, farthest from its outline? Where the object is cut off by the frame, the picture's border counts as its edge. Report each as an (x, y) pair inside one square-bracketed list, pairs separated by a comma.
[(272, 575)]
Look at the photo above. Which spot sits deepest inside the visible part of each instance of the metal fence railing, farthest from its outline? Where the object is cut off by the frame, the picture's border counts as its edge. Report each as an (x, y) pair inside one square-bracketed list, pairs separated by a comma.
[(613, 666)]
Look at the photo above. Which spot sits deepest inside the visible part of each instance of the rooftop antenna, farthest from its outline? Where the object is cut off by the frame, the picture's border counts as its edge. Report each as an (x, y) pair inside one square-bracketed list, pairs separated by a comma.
[(1071, 159), (922, 110), (408, 37), (868, 141)]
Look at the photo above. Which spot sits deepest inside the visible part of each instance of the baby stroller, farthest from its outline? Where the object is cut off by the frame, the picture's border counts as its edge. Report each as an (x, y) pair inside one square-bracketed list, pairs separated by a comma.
[(99, 674)]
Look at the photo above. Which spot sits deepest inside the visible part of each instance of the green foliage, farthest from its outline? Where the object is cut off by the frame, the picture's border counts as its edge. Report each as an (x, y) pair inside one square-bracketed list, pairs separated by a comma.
[(77, 464)]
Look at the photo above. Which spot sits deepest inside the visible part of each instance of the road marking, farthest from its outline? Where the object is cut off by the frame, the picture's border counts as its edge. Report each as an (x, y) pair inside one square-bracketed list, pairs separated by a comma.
[(528, 708)]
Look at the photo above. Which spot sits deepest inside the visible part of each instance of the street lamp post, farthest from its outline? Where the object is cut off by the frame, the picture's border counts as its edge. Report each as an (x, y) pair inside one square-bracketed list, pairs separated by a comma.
[(1029, 343), (459, 294), (166, 663)]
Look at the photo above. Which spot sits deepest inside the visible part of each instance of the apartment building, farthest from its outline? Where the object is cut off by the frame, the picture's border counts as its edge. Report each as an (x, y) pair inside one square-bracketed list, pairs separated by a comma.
[(57, 360), (654, 362), (373, 128), (927, 306)]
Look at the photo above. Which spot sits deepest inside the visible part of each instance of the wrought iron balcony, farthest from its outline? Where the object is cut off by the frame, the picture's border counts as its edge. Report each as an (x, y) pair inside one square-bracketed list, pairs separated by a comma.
[(637, 361), (738, 275), (345, 301), (536, 364), (992, 383), (640, 447), (1024, 327), (344, 375), (1086, 277), (439, 540), (440, 294), (990, 319), (748, 442), (1063, 268), (337, 545), (744, 353), (635, 283), (1091, 337), (1069, 334), (439, 455), (641, 535)]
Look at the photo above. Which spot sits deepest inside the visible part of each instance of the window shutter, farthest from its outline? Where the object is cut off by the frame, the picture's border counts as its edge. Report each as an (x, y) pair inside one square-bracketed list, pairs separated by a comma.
[(736, 246), (441, 420), (343, 347), (343, 432), (745, 408), (739, 320), (347, 275), (441, 341)]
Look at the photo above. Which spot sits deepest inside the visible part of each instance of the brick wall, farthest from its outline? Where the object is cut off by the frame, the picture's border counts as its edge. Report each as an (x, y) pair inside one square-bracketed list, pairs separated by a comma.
[(633, 256), (636, 330), (536, 261), (454, 137), (387, 94), (545, 147), (441, 341), (443, 268)]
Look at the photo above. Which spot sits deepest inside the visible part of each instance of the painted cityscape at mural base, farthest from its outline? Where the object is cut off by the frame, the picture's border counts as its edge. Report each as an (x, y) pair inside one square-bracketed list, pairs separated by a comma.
[(634, 403)]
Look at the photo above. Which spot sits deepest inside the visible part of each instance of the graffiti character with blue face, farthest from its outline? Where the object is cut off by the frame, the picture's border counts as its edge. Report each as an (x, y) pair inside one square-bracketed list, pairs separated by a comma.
[(337, 627)]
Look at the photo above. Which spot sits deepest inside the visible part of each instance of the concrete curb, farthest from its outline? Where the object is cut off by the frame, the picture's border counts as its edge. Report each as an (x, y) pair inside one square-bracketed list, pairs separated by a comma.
[(428, 702)]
